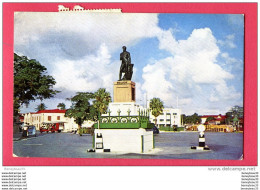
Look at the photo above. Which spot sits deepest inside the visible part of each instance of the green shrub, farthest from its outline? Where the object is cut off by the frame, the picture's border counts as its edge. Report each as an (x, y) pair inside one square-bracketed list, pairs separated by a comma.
[(84, 130), (180, 128), (80, 131)]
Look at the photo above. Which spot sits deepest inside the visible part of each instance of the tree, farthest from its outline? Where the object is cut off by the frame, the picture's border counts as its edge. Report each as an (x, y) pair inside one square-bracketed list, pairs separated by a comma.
[(80, 108), (236, 111), (93, 113), (195, 118), (102, 99), (192, 119), (30, 82), (61, 106), (41, 107), (210, 119), (156, 106), (233, 115)]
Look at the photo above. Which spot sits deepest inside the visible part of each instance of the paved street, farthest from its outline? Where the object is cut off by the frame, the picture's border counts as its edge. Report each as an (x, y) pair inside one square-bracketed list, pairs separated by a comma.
[(228, 146)]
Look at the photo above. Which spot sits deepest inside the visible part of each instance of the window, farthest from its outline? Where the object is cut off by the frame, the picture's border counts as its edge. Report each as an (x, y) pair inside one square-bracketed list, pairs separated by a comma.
[(49, 118), (168, 113), (161, 119), (58, 117), (168, 120), (174, 113)]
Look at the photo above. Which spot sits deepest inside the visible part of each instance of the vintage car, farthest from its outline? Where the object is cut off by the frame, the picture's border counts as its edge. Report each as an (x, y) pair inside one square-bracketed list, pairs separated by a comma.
[(51, 127), (29, 130), (44, 128)]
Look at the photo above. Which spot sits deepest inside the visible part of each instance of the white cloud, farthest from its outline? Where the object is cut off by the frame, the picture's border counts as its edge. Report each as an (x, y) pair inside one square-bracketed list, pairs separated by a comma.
[(228, 41), (76, 48), (192, 73), (79, 34), (87, 74)]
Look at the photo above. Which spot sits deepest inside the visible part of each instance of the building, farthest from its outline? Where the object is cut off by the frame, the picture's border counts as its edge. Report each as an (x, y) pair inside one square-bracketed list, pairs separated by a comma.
[(213, 128), (46, 116), (43, 117), (169, 118), (215, 119)]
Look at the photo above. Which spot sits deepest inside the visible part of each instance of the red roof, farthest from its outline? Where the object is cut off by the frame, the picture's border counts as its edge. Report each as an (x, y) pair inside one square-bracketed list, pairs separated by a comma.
[(52, 111), (215, 116), (208, 116)]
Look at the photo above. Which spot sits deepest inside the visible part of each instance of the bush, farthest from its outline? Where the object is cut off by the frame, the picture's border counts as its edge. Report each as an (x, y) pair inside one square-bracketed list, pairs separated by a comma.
[(180, 128), (80, 131), (85, 130)]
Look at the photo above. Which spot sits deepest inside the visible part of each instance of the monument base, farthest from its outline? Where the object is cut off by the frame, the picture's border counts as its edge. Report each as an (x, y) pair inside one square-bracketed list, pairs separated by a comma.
[(124, 108), (124, 140), (124, 91)]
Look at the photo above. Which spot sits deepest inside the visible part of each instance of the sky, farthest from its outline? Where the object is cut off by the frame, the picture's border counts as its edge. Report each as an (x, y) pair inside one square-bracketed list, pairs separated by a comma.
[(193, 62)]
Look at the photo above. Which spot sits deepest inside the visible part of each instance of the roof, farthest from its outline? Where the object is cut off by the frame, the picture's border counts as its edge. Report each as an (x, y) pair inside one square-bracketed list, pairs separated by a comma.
[(215, 116), (208, 116), (51, 111)]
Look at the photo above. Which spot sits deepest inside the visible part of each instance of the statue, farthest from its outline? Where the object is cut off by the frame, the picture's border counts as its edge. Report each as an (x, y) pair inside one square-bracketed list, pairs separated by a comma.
[(126, 66)]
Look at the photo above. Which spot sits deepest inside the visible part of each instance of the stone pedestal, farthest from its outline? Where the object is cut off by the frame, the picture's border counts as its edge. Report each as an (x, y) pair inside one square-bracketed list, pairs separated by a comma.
[(124, 91), (126, 126), (125, 140)]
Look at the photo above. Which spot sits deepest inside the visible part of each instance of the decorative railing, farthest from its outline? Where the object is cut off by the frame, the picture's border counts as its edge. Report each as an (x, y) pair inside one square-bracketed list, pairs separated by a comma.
[(130, 121), (143, 116)]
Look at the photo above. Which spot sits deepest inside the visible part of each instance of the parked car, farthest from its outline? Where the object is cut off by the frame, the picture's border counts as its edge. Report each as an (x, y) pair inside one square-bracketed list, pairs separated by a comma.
[(44, 129), (50, 127), (29, 130)]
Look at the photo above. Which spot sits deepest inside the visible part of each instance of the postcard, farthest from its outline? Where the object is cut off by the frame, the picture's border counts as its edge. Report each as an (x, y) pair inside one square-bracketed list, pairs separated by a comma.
[(134, 88)]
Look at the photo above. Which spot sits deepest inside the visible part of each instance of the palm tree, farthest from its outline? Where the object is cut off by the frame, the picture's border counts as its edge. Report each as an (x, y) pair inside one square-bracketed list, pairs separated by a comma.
[(102, 99), (61, 106), (156, 106), (41, 107)]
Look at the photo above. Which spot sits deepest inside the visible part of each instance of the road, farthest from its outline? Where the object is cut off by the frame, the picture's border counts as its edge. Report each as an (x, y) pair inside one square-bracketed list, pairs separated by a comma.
[(169, 145)]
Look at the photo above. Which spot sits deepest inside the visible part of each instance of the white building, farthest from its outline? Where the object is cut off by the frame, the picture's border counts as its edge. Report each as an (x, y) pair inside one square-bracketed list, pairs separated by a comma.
[(170, 117), (53, 116)]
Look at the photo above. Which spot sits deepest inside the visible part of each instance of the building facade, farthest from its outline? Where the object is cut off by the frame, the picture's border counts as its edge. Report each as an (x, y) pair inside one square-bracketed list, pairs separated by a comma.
[(43, 117), (169, 118), (215, 119)]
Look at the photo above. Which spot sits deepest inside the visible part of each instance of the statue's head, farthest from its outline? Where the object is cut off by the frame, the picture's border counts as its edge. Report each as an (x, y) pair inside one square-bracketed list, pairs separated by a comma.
[(124, 48)]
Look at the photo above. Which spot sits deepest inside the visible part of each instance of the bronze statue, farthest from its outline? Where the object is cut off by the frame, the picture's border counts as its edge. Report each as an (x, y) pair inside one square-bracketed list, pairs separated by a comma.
[(126, 66)]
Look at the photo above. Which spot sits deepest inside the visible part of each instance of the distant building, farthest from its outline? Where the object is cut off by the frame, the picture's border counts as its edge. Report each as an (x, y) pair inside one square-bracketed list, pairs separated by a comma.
[(169, 118), (38, 119), (213, 128), (216, 119)]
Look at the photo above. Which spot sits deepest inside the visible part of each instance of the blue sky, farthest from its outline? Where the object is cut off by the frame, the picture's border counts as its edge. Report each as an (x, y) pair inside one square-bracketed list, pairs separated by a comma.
[(195, 58)]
